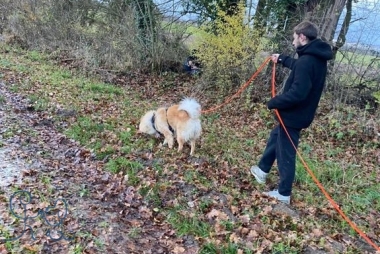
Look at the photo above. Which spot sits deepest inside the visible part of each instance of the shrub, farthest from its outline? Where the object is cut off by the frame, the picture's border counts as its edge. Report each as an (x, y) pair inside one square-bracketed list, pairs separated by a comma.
[(94, 35), (228, 50)]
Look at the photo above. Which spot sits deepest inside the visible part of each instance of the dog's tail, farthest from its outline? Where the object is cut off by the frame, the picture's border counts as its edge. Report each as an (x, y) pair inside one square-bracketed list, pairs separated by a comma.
[(191, 106)]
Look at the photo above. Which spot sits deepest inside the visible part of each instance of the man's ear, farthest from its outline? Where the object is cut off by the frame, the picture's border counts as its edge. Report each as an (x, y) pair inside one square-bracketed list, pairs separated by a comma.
[(303, 37)]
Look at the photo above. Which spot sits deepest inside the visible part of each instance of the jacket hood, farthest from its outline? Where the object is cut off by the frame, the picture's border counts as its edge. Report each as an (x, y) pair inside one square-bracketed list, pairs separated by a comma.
[(317, 48)]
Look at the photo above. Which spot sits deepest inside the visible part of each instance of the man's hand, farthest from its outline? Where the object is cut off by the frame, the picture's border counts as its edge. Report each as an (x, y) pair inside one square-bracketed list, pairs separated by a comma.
[(274, 57)]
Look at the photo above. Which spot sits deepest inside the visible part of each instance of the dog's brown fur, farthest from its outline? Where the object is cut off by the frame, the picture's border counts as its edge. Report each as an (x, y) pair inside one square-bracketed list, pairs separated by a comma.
[(183, 118)]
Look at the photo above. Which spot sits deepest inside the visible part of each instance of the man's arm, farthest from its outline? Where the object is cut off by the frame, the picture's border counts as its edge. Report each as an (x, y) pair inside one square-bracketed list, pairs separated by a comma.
[(286, 61)]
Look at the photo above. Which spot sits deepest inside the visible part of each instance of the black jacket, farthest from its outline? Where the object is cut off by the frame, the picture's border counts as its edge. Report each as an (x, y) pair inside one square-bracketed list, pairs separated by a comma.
[(303, 88)]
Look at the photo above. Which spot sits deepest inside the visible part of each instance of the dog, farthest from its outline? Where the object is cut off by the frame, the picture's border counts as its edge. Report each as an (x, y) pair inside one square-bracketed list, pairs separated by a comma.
[(181, 120)]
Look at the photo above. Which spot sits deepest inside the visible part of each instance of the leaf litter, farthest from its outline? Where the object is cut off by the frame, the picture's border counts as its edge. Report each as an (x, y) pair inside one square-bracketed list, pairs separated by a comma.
[(106, 213)]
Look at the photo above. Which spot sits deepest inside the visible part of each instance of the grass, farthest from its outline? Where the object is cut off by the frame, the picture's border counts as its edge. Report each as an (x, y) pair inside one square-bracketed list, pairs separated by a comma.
[(354, 58), (231, 248), (6, 234), (77, 249), (85, 129), (103, 89), (134, 232), (127, 167), (152, 194), (2, 100), (185, 225), (35, 56), (39, 103), (84, 191), (185, 190)]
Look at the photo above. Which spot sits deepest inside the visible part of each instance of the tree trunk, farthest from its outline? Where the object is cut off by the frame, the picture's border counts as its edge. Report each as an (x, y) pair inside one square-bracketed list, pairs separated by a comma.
[(260, 18), (231, 7), (344, 29), (325, 13), (328, 27), (146, 25)]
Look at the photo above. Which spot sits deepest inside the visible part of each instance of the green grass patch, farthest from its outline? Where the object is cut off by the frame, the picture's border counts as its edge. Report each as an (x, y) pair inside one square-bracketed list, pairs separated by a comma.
[(128, 167), (39, 103), (35, 56), (348, 186), (2, 100), (152, 194), (356, 59), (5, 63), (84, 129), (185, 225), (103, 88)]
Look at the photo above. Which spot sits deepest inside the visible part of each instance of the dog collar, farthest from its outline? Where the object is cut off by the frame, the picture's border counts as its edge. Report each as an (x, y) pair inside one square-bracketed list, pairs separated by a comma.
[(170, 127), (153, 121)]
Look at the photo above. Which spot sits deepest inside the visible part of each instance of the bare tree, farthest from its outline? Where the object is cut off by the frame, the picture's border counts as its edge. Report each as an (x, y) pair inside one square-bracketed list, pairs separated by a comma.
[(341, 40), (261, 16), (326, 14)]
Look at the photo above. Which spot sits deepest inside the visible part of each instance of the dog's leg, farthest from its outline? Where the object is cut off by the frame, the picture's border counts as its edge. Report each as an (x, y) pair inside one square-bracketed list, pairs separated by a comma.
[(168, 139), (180, 141), (192, 145)]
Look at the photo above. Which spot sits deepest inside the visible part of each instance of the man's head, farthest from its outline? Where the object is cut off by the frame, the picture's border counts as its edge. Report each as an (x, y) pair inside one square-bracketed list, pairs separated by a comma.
[(303, 33)]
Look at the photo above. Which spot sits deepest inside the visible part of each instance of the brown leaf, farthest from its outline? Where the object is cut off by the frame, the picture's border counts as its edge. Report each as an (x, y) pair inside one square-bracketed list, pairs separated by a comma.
[(217, 214), (317, 232), (234, 238), (244, 218), (178, 249), (252, 235), (145, 212)]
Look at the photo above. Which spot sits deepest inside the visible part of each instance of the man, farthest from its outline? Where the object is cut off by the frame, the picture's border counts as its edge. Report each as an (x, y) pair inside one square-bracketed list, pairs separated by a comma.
[(296, 105), (191, 65)]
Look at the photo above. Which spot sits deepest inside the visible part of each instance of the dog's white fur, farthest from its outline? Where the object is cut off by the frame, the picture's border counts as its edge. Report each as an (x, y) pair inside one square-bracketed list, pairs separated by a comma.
[(148, 128), (184, 118)]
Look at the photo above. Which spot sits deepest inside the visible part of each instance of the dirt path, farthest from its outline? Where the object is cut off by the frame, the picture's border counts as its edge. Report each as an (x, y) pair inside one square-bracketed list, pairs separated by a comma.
[(105, 215)]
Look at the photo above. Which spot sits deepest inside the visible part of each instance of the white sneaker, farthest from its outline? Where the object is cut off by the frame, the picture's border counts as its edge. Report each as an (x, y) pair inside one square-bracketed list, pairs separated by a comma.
[(259, 174), (278, 196)]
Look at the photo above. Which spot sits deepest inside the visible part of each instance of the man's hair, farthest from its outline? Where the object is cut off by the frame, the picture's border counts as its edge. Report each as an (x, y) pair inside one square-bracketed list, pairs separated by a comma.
[(310, 30)]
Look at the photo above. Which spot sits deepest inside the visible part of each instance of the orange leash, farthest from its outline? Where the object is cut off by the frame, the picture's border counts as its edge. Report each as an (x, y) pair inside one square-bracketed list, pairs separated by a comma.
[(320, 186), (241, 89)]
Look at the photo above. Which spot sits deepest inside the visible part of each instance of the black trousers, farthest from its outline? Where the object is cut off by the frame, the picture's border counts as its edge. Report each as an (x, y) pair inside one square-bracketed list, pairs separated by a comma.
[(281, 149)]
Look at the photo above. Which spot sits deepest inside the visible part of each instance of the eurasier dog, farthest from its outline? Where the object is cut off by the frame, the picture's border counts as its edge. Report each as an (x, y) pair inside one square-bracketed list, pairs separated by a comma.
[(182, 120)]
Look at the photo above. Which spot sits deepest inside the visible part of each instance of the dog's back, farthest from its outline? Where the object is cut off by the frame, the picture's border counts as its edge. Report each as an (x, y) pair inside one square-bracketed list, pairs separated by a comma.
[(183, 114), (185, 119), (191, 106)]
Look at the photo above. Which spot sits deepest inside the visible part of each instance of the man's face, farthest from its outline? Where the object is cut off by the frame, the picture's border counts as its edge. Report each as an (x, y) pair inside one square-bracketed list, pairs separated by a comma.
[(297, 40)]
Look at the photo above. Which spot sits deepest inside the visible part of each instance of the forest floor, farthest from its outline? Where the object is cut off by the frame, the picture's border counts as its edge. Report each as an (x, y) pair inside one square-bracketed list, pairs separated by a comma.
[(71, 142)]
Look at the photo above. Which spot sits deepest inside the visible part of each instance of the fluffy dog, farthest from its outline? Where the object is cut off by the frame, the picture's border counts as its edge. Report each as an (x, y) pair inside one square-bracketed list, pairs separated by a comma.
[(181, 120)]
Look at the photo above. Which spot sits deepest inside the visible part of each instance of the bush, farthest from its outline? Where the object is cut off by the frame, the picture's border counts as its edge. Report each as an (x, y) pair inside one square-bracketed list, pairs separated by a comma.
[(229, 51), (95, 35)]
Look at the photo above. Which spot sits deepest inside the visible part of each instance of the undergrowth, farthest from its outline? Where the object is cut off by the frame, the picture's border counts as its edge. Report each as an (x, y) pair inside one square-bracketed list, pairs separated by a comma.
[(211, 196)]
